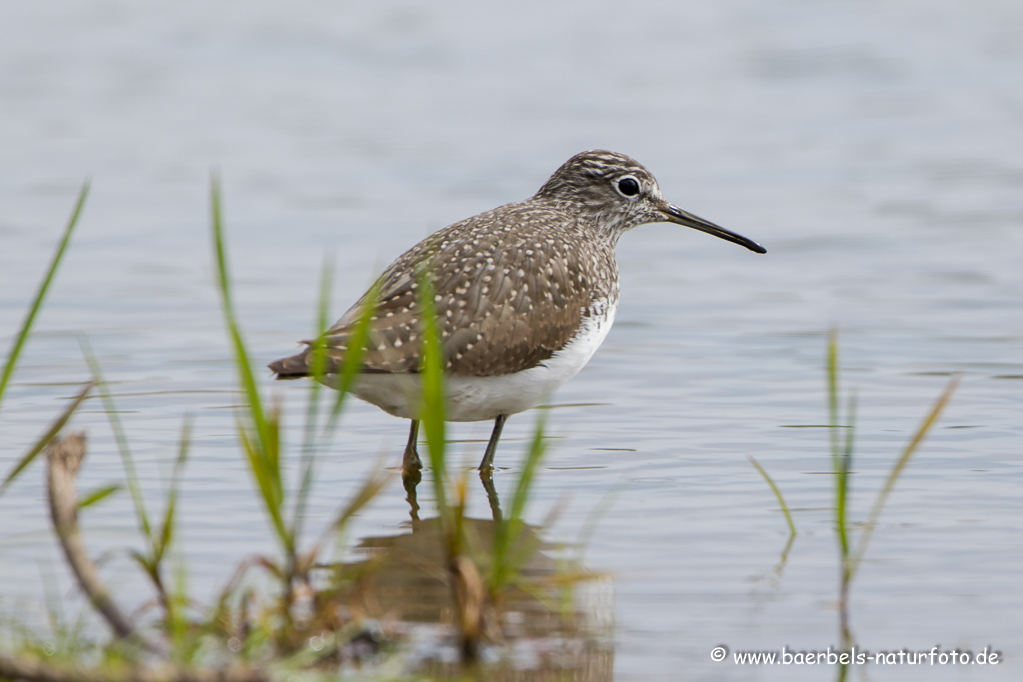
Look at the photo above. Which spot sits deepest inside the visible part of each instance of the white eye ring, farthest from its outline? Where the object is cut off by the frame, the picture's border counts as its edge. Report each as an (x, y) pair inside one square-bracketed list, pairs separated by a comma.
[(628, 186)]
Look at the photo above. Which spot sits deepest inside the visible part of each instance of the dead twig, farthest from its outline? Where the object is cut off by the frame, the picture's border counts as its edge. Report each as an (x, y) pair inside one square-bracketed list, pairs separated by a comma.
[(63, 459), (470, 604)]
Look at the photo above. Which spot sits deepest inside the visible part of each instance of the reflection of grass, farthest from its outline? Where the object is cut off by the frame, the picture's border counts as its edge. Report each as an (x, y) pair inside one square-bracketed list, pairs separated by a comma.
[(303, 622)]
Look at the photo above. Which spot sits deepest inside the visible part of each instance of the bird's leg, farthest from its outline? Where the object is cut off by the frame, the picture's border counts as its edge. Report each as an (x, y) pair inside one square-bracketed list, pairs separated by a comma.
[(487, 465), (410, 462)]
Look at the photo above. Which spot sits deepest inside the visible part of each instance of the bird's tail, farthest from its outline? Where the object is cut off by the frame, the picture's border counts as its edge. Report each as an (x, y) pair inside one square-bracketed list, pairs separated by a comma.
[(294, 367)]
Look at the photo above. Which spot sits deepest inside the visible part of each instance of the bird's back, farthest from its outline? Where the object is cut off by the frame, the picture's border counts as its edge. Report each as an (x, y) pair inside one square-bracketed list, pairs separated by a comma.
[(511, 287)]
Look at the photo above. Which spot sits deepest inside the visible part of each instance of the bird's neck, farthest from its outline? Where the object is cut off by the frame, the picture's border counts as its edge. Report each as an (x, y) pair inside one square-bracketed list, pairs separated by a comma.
[(603, 224)]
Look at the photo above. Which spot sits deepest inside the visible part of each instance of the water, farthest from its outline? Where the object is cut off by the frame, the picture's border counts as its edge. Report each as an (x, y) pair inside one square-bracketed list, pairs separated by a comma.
[(875, 149)]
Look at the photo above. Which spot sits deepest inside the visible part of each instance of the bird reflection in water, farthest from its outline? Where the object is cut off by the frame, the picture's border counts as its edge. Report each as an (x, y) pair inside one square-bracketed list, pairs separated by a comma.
[(408, 577)]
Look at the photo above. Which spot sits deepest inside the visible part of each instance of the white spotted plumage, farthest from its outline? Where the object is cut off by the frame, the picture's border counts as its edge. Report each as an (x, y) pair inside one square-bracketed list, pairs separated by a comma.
[(472, 398)]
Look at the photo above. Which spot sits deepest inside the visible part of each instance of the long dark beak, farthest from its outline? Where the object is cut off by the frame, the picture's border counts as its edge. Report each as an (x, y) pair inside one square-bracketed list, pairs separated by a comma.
[(674, 214)]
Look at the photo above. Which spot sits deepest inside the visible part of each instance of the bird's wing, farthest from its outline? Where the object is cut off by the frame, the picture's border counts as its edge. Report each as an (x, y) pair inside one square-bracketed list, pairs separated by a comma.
[(506, 299)]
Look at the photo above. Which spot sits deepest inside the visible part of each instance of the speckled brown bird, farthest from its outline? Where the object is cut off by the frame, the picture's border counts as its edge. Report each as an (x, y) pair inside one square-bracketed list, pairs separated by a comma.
[(524, 295)]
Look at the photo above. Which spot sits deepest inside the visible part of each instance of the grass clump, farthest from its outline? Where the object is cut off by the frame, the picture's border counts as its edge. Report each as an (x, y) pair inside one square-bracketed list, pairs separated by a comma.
[(311, 620), (853, 539), (852, 548)]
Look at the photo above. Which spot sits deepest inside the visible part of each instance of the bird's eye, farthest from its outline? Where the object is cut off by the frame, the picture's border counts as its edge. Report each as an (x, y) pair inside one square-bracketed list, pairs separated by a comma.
[(628, 186)]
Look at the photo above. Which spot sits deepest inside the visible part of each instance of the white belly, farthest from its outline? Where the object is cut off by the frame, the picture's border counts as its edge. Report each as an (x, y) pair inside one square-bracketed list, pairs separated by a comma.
[(472, 399)]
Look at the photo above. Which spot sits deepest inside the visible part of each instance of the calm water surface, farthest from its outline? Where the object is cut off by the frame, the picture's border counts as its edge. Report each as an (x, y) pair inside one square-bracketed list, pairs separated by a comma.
[(875, 149)]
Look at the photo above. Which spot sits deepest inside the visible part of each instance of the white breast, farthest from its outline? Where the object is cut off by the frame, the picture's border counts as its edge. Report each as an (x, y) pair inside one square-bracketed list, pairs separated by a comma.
[(483, 398)]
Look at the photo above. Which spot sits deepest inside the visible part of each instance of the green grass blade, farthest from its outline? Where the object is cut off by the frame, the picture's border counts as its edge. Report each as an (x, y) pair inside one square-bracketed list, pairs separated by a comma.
[(254, 404), (589, 528), (319, 361), (47, 436), (843, 479), (777, 493), (186, 642), (37, 301), (259, 429), (537, 449), (433, 409), (267, 482), (98, 495), (840, 464), (509, 529), (367, 492), (119, 436), (833, 412), (166, 535), (356, 349), (897, 469), (146, 563)]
